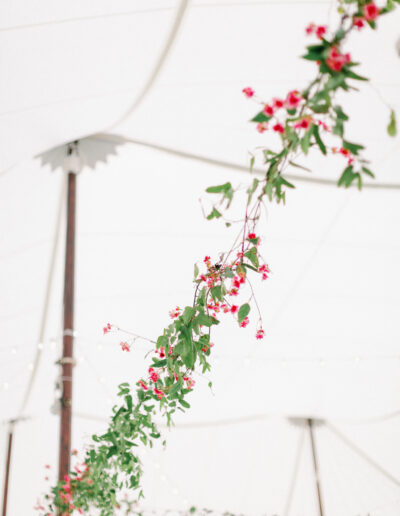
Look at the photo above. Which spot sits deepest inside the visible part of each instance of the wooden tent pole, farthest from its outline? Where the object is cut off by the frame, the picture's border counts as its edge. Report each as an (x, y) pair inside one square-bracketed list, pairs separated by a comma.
[(67, 360), (310, 423), (8, 462)]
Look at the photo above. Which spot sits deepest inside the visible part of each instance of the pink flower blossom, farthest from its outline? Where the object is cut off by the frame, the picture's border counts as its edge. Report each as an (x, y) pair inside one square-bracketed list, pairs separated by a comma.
[(175, 313), (262, 127), (310, 29), (278, 103), (160, 394), (279, 128), (304, 123), (143, 385), (106, 328), (234, 309), (371, 11), (245, 322), (249, 92), (260, 334), (323, 125), (268, 110), (293, 99), (320, 31), (189, 382), (153, 375), (336, 60), (358, 22), (125, 346)]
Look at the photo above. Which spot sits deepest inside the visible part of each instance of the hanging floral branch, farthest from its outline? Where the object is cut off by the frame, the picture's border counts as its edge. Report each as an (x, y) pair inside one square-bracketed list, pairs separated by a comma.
[(304, 120)]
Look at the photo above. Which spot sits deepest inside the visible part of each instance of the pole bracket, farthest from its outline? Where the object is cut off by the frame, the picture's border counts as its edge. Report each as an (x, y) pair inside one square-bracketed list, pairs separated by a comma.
[(67, 360)]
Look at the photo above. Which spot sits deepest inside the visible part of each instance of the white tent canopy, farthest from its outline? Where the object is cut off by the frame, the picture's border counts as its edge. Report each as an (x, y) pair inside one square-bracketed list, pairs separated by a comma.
[(152, 91)]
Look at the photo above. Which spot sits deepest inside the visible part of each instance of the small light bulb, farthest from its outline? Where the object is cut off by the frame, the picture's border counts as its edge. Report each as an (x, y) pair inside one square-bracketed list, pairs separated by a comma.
[(40, 345), (30, 366), (157, 465), (14, 351)]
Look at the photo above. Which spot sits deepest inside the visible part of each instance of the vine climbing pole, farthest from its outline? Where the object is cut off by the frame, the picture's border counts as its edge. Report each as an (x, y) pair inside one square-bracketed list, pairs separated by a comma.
[(67, 361)]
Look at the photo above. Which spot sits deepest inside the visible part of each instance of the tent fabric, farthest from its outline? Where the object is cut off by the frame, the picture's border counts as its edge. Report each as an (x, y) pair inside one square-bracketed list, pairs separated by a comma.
[(330, 308)]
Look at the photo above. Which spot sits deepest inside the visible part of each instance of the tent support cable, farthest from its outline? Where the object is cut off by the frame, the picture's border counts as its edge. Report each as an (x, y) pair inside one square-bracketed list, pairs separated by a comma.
[(114, 138), (158, 64), (362, 454)]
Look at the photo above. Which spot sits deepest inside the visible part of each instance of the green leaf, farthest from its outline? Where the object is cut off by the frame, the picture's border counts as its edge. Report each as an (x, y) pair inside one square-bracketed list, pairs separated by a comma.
[(216, 293), (368, 172), (305, 141), (352, 75), (219, 188), (252, 189), (188, 313), (184, 403), (215, 214), (318, 140), (196, 271), (261, 117), (296, 165), (392, 128), (243, 312), (228, 273), (352, 147), (340, 113), (252, 255), (347, 177), (206, 320)]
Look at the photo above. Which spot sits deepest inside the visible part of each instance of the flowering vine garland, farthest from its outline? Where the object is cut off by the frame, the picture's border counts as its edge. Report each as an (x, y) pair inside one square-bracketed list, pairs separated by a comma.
[(303, 120)]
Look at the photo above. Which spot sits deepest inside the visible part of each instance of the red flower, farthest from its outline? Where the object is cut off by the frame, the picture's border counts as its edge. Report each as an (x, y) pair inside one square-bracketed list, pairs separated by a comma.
[(160, 394), (251, 236), (336, 60), (249, 92), (153, 375), (106, 328), (293, 99), (302, 124), (279, 128), (320, 31), (260, 334), (262, 126), (323, 125), (268, 110), (175, 313), (125, 346), (236, 282), (371, 11), (358, 22), (143, 385), (278, 103), (245, 322), (234, 309), (310, 28)]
